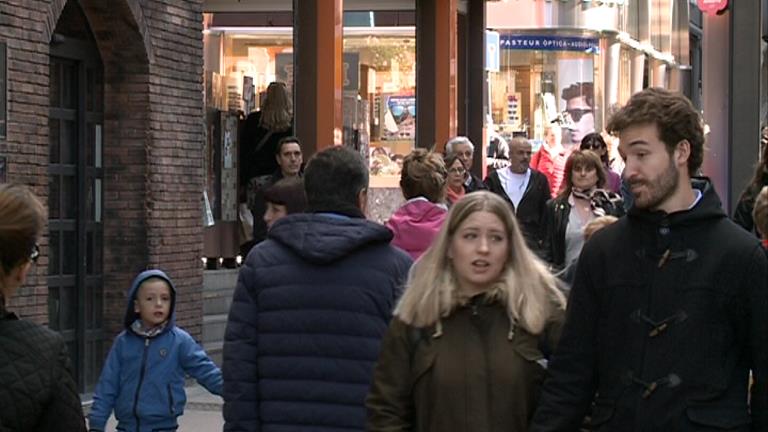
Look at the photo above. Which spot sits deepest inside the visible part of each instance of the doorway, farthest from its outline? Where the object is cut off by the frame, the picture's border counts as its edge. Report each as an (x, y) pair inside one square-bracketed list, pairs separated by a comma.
[(75, 202)]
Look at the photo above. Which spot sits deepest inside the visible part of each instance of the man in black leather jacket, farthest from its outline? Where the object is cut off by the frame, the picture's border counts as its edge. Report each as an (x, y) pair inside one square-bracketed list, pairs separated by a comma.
[(667, 315)]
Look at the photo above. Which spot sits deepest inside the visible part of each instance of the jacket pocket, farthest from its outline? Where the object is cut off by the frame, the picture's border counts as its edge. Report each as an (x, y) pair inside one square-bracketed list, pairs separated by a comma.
[(718, 418), (423, 360), (171, 407), (601, 414)]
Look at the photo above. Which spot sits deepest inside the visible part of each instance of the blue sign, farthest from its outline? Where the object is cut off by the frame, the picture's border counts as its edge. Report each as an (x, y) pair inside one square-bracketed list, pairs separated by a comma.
[(492, 57), (550, 43)]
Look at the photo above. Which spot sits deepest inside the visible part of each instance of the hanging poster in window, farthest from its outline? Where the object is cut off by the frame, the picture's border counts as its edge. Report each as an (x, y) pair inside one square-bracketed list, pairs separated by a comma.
[(577, 99), (400, 118)]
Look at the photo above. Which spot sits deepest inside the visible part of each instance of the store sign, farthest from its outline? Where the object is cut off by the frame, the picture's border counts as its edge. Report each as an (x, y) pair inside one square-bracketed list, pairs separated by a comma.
[(712, 7), (550, 43)]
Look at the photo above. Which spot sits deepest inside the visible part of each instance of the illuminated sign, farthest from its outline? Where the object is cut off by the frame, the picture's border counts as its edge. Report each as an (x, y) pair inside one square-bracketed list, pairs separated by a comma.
[(549, 43), (712, 7)]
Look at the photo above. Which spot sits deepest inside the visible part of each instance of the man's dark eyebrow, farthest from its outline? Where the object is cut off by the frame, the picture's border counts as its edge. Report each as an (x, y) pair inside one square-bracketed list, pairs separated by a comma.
[(637, 142)]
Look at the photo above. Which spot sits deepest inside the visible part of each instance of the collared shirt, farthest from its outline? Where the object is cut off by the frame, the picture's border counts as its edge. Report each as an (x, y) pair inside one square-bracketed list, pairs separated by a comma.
[(421, 198), (698, 198), (514, 184)]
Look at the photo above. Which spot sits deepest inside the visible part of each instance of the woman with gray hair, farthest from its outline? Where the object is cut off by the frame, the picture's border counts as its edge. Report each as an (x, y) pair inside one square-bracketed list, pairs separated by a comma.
[(463, 148)]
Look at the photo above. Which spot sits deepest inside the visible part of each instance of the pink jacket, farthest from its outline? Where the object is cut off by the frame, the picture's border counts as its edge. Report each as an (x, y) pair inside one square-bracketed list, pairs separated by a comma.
[(552, 166), (415, 225)]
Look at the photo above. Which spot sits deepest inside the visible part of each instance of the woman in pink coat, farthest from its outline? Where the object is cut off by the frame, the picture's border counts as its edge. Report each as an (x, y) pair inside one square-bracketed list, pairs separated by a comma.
[(416, 223)]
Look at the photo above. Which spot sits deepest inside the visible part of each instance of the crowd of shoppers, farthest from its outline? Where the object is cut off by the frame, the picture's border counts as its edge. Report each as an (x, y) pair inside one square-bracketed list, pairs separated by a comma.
[(525, 302)]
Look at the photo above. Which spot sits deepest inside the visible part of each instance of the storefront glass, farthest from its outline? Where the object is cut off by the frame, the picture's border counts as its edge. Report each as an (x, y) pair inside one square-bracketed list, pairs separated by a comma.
[(545, 79), (379, 79), (380, 95)]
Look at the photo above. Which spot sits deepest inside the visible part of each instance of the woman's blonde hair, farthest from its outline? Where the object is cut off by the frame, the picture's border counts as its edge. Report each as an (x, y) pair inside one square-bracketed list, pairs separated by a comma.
[(526, 286), (424, 174), (276, 112)]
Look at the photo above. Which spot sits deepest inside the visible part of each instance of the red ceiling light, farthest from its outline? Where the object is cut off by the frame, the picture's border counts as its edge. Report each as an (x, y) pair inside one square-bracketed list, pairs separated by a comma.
[(712, 7)]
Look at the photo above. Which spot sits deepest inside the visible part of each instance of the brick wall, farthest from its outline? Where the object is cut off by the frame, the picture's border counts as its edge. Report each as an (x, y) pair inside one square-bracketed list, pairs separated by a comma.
[(26, 143), (175, 159), (153, 140)]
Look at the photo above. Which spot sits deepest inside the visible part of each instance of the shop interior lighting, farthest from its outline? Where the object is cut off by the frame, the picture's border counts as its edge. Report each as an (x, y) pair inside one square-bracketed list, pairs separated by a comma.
[(627, 40), (288, 31)]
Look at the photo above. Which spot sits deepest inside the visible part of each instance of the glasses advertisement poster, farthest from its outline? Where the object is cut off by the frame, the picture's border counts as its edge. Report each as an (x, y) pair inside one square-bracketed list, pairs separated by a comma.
[(400, 118)]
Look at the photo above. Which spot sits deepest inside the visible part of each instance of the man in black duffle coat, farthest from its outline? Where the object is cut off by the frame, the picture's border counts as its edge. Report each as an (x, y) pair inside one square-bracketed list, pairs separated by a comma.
[(669, 310)]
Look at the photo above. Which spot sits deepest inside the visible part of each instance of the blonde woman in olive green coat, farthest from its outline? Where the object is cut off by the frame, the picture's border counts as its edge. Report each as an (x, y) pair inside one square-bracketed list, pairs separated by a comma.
[(464, 351)]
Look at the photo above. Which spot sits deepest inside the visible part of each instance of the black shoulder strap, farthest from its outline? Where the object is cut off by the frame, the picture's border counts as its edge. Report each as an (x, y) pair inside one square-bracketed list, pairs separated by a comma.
[(263, 141)]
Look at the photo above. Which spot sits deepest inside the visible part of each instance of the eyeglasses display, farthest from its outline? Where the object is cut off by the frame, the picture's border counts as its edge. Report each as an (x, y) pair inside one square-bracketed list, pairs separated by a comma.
[(577, 113)]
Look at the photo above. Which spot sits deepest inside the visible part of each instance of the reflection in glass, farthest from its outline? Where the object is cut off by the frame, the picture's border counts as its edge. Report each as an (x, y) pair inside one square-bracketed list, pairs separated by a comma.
[(55, 84), (69, 197), (69, 253), (53, 308), (54, 255), (68, 142), (53, 197), (53, 140)]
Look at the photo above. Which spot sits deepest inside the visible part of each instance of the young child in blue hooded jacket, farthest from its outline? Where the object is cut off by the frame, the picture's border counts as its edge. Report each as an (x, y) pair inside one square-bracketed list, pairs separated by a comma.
[(143, 378)]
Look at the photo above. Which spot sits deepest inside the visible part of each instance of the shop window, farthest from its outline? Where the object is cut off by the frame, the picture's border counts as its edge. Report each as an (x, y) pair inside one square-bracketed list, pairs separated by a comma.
[(380, 97), (379, 74), (538, 87)]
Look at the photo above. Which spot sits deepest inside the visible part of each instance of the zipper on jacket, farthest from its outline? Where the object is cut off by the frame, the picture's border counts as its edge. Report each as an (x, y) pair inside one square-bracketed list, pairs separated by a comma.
[(170, 400), (141, 381)]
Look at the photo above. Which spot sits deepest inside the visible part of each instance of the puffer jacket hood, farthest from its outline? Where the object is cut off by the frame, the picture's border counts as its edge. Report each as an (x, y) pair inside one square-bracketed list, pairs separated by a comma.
[(131, 315), (325, 238), (415, 225), (709, 207)]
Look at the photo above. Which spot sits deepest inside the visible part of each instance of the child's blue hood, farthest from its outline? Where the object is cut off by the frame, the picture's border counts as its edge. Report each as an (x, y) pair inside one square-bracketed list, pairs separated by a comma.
[(130, 315)]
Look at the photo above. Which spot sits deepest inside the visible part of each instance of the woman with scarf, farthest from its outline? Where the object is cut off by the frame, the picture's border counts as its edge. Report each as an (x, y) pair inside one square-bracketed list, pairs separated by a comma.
[(457, 173), (595, 142), (581, 200)]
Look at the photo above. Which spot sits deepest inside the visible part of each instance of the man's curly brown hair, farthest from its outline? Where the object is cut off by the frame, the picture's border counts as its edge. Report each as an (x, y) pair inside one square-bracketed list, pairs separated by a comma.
[(674, 116)]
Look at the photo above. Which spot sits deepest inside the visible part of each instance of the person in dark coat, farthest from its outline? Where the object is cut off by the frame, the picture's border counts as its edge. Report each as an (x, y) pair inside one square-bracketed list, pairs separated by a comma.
[(742, 215), (581, 201), (462, 147), (667, 315), (262, 132), (464, 352), (37, 391), (525, 190), (312, 303), (289, 159)]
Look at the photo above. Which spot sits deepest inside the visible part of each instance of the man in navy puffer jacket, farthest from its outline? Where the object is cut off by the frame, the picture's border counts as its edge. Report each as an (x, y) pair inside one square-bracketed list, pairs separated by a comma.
[(311, 306)]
